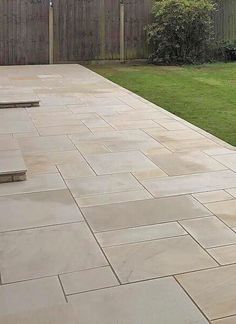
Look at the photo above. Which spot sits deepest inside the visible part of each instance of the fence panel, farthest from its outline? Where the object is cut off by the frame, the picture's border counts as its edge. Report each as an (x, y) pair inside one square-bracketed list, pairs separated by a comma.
[(137, 16), (24, 32), (225, 21), (86, 30)]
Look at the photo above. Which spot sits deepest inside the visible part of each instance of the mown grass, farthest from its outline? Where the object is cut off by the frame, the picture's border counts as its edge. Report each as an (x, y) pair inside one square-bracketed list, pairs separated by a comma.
[(203, 95)]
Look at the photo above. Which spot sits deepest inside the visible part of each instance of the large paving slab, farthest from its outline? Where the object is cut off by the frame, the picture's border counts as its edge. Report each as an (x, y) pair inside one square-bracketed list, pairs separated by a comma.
[(145, 212), (30, 210), (48, 251), (213, 290), (157, 258), (118, 191)]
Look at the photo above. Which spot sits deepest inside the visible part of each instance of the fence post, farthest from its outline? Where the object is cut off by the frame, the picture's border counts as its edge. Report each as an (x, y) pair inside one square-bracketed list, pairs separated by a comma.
[(51, 33), (122, 31)]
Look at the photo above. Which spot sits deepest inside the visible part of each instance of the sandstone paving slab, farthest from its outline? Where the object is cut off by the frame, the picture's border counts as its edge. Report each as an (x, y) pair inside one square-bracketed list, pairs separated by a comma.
[(91, 148), (185, 163), (171, 125), (232, 192), (133, 124), (63, 130), (228, 159), (108, 163), (59, 314), (157, 258), (38, 209), (85, 187), (48, 251), (226, 320), (224, 254), (16, 126), (209, 231), (212, 196), (86, 280), (111, 198), (75, 169), (180, 135), (45, 144), (7, 143), (30, 295), (150, 174), (193, 183), (156, 301), (197, 145), (139, 234), (38, 163), (45, 182), (225, 210), (212, 290), (144, 212)]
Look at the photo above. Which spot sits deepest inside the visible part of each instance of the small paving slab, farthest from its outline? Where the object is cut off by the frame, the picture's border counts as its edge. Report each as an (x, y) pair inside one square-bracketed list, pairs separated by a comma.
[(12, 166)]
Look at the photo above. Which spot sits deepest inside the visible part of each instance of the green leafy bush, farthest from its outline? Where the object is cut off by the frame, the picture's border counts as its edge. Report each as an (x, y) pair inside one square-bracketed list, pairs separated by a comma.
[(182, 31)]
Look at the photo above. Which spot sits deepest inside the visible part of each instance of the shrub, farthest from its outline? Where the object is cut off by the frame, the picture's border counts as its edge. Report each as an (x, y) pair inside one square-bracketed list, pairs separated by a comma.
[(181, 32)]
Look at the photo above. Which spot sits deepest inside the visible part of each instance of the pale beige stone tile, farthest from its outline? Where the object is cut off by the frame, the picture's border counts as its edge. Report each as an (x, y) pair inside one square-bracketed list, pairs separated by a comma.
[(182, 163), (45, 143), (75, 169), (180, 135), (225, 210), (96, 123), (48, 251), (232, 192), (38, 209), (224, 254), (63, 130), (16, 126), (226, 320), (146, 302), (212, 196), (7, 143), (228, 159), (213, 290), (191, 145), (209, 231), (44, 182), (91, 279), (103, 184), (119, 162), (38, 163), (112, 198), (146, 212), (133, 124), (30, 295), (91, 148), (139, 234), (157, 258), (193, 183), (150, 174), (59, 314), (171, 125), (219, 151)]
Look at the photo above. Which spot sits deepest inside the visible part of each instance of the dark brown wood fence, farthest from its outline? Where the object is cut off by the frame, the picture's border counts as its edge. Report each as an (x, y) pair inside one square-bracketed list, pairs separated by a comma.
[(225, 21), (24, 31), (90, 29), (85, 30)]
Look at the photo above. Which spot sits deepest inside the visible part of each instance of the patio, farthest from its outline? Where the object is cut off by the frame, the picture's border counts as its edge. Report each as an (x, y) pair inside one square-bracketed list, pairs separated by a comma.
[(128, 213)]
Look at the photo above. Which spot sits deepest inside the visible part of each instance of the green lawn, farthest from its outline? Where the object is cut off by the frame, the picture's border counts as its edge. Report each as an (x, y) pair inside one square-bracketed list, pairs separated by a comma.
[(203, 95)]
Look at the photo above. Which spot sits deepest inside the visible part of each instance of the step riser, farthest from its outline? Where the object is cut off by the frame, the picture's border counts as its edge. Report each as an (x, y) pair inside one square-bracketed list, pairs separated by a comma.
[(12, 177), (19, 104)]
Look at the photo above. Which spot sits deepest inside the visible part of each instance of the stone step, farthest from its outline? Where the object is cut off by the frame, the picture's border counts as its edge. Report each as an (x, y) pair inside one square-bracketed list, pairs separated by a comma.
[(19, 103), (12, 166)]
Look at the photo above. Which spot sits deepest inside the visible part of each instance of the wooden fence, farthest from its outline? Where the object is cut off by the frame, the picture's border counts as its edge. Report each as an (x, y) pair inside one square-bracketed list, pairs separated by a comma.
[(23, 31), (85, 30), (225, 21), (91, 29)]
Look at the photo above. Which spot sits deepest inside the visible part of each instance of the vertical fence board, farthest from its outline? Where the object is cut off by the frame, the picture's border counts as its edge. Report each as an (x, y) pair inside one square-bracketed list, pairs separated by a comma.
[(225, 21)]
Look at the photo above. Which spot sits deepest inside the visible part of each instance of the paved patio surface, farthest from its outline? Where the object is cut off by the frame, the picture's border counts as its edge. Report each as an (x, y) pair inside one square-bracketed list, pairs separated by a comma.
[(128, 215)]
